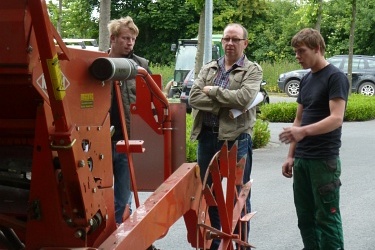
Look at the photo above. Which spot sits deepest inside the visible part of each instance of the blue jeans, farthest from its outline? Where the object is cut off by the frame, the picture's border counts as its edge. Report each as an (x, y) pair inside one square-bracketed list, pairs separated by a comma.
[(208, 145), (122, 188)]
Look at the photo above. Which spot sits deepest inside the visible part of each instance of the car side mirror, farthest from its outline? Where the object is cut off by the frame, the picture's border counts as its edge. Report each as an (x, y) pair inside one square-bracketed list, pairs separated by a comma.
[(173, 47)]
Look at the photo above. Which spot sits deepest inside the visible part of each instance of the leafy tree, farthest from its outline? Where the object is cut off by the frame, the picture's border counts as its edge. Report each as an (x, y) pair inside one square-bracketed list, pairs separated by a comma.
[(336, 27), (273, 30), (161, 23), (271, 24), (365, 32), (77, 19)]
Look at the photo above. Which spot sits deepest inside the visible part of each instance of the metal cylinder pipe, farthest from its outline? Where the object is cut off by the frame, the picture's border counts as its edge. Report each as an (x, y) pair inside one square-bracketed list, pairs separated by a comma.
[(106, 68)]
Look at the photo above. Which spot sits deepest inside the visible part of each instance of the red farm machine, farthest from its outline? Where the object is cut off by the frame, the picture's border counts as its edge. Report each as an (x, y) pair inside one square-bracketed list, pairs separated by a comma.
[(56, 179)]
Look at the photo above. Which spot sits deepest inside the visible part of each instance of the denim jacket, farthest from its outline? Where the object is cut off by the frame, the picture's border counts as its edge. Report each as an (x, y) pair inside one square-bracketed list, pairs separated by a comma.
[(244, 85)]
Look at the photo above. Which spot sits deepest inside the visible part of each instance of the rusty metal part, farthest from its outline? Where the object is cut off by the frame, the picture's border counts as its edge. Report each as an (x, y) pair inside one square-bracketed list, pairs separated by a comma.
[(174, 198), (226, 175), (55, 144)]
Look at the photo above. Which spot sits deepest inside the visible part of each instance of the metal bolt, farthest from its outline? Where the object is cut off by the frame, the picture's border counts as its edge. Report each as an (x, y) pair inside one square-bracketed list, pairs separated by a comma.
[(78, 234), (69, 221), (81, 163), (88, 128), (94, 190), (101, 157)]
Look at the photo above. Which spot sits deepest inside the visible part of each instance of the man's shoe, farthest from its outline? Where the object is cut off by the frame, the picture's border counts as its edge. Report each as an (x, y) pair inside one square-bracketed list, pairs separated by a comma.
[(152, 247)]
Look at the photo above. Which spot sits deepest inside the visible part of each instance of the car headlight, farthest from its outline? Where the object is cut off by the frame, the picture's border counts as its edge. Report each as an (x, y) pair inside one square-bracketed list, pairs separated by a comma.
[(282, 77)]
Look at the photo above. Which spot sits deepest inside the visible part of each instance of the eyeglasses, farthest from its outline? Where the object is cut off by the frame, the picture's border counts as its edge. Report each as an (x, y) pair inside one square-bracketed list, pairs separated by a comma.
[(234, 40)]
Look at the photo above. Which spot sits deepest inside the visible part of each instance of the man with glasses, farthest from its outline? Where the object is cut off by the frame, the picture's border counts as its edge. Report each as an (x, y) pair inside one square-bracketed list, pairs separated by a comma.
[(232, 81)]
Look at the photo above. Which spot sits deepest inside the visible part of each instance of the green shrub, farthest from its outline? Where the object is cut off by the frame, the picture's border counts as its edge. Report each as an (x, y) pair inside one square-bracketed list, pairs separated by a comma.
[(278, 112), (359, 108), (191, 147), (261, 137), (261, 134)]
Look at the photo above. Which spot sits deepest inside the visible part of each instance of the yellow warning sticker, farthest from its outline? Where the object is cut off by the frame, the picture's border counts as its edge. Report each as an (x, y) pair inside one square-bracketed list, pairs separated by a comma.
[(56, 78), (87, 100)]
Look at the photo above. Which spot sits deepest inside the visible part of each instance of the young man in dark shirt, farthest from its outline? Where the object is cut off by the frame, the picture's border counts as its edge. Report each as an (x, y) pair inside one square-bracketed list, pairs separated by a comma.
[(315, 140)]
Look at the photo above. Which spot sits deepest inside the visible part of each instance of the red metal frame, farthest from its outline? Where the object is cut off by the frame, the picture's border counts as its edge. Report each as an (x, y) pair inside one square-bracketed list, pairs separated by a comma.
[(60, 111)]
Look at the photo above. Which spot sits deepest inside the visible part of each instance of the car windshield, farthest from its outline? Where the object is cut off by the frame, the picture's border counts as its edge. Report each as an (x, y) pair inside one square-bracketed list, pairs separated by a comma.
[(185, 57)]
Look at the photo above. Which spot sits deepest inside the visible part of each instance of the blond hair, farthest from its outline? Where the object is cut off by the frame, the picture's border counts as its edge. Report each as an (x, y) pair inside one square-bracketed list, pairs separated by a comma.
[(115, 25)]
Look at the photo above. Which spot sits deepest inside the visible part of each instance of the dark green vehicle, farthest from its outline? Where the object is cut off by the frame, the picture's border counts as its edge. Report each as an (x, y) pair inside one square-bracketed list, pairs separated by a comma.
[(186, 50)]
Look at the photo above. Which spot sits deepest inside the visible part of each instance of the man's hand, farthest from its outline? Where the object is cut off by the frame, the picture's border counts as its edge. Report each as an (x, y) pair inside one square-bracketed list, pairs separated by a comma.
[(287, 168), (206, 89), (291, 134)]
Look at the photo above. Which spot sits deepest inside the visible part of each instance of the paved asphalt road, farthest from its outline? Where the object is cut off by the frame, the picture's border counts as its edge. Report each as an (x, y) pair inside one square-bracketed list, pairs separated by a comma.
[(274, 227)]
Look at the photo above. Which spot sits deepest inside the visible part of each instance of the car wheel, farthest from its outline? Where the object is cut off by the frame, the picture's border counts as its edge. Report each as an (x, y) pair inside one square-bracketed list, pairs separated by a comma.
[(367, 88), (266, 99), (292, 88)]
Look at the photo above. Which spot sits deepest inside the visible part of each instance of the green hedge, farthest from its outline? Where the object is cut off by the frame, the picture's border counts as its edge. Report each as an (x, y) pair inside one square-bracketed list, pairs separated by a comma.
[(359, 108), (261, 137), (278, 112)]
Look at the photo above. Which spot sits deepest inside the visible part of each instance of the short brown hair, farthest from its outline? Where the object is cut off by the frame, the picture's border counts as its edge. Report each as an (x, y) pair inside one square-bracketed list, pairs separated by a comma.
[(115, 25), (309, 37)]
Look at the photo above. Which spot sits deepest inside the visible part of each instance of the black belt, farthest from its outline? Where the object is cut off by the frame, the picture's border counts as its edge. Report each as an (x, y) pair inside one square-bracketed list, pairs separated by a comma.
[(211, 129)]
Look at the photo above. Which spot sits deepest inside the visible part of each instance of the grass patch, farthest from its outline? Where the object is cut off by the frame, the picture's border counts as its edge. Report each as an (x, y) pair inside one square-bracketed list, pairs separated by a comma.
[(166, 72), (271, 72)]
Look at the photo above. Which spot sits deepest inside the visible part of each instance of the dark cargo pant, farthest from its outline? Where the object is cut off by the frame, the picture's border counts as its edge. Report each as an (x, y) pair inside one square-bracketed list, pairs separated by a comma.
[(316, 186)]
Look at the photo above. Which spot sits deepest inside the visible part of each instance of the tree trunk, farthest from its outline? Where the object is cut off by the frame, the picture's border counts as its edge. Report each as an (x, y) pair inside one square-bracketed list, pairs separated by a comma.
[(351, 42), (319, 15), (104, 18), (59, 19), (200, 50)]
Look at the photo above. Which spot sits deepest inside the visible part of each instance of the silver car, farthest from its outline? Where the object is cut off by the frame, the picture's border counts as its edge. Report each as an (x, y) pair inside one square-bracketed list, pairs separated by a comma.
[(363, 75)]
